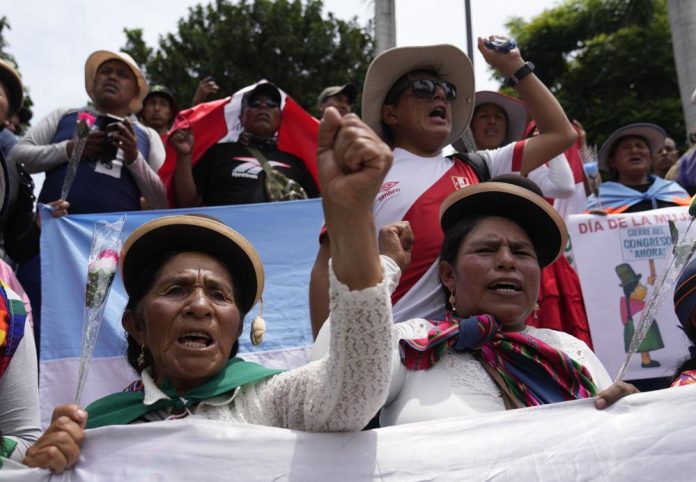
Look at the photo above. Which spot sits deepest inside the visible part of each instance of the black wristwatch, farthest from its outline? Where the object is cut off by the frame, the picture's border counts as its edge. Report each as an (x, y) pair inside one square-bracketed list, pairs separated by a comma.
[(521, 73)]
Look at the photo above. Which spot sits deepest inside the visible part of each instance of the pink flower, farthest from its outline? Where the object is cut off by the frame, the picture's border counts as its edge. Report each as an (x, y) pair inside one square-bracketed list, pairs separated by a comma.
[(88, 118), (108, 253), (106, 261)]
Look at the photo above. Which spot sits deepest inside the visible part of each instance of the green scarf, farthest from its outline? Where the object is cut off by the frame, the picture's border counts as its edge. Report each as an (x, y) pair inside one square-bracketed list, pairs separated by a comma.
[(7, 446), (125, 407)]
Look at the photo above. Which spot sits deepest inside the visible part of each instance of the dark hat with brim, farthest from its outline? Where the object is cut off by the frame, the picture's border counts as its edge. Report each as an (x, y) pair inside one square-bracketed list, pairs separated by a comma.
[(653, 134), (349, 90), (685, 293), (515, 198), (13, 85), (627, 277), (162, 91), (264, 88), (195, 233)]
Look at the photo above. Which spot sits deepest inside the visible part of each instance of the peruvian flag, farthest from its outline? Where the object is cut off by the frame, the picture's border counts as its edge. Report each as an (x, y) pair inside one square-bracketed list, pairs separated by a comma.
[(218, 121)]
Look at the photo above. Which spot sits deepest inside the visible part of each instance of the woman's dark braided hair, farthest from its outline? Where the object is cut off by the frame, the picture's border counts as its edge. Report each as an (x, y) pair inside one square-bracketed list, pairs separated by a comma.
[(140, 288)]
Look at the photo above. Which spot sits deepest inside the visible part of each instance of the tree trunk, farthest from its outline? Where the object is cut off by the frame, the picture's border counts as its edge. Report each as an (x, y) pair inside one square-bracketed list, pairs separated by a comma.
[(682, 19), (385, 25)]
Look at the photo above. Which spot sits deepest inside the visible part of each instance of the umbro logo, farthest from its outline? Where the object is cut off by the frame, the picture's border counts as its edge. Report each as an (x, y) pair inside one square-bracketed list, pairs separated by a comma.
[(388, 185), (388, 189)]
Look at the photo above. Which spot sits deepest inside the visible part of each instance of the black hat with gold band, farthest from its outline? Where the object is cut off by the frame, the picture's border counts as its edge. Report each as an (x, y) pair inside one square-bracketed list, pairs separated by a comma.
[(195, 233), (518, 199)]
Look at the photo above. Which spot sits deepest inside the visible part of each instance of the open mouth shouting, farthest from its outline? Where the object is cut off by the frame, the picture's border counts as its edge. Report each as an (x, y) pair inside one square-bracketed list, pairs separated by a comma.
[(506, 286), (196, 340), (440, 112)]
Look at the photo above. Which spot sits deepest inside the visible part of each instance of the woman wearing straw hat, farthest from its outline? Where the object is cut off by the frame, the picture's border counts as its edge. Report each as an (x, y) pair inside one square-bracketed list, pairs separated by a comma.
[(499, 120), (627, 157), (191, 280)]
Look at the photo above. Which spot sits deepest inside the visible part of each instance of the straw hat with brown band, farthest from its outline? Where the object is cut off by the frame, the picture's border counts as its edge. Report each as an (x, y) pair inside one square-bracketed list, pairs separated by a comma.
[(450, 64), (99, 57), (203, 234), (518, 199)]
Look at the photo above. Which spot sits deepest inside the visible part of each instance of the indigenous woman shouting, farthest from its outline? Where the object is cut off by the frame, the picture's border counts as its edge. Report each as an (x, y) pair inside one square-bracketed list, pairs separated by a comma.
[(191, 280), (482, 357)]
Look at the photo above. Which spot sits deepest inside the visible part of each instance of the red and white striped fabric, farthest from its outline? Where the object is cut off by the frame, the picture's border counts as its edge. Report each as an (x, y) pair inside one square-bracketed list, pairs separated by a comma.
[(218, 121), (413, 190)]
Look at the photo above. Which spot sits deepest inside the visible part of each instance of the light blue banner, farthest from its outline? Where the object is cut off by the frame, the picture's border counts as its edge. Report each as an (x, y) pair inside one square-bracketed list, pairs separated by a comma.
[(285, 235)]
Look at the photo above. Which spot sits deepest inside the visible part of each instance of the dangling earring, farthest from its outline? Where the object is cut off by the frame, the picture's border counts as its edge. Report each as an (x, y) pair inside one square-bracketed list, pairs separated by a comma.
[(258, 326), (536, 312), (452, 302), (141, 357)]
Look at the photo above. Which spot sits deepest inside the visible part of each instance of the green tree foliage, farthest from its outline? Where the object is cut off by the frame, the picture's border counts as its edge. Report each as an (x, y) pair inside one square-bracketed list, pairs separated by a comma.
[(609, 62), (287, 42), (4, 54), (137, 48)]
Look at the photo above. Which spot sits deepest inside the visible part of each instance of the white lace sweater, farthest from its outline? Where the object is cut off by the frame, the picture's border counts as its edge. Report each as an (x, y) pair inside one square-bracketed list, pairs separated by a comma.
[(340, 392), (457, 385)]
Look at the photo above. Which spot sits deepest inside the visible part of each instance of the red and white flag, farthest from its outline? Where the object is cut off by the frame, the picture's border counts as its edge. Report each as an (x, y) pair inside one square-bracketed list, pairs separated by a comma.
[(218, 121)]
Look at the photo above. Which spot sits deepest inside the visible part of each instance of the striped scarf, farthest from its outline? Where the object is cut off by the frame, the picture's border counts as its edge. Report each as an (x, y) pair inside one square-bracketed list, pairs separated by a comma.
[(532, 372), (13, 315)]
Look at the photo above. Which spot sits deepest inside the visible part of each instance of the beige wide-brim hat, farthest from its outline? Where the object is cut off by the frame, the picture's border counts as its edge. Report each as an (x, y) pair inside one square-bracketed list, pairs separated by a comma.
[(13, 85), (515, 111), (516, 198), (349, 90), (99, 57), (195, 233), (451, 65), (652, 133)]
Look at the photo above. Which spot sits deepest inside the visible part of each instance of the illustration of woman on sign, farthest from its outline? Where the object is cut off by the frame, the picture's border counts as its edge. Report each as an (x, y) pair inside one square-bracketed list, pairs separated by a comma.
[(631, 304)]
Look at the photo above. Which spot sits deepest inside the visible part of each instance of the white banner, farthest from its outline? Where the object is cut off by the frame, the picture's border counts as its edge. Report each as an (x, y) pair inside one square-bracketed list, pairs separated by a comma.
[(618, 259), (643, 437)]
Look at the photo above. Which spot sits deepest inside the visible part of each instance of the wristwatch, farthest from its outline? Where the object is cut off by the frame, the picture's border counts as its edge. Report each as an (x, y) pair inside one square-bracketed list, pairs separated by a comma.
[(520, 74)]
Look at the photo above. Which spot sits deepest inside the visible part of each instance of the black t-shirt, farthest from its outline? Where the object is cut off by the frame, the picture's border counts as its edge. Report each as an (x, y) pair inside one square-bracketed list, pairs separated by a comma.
[(229, 174)]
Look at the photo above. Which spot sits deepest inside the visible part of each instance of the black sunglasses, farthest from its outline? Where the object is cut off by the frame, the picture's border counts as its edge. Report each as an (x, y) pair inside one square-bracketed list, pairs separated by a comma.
[(425, 89), (256, 103)]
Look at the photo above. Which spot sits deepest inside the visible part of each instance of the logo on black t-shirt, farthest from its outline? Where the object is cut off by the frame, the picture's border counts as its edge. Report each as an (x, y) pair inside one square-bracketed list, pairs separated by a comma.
[(250, 167)]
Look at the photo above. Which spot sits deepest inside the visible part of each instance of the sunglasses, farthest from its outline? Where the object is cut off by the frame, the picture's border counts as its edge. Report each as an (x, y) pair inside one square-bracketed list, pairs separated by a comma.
[(425, 89), (257, 102)]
